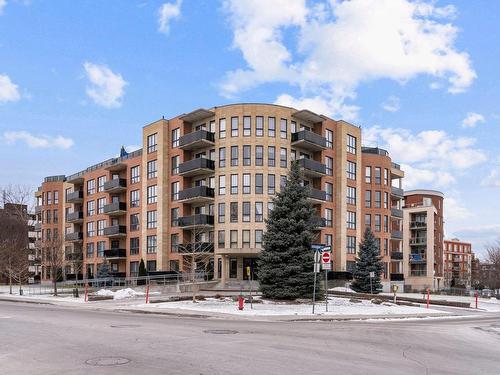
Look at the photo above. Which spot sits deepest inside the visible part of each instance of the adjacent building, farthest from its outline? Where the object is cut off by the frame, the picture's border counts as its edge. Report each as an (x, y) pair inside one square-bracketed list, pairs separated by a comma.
[(457, 263)]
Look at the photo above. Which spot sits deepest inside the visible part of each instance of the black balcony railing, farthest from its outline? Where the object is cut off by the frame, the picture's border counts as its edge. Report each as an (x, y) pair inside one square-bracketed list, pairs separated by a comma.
[(418, 241), (75, 236), (74, 216), (115, 253), (115, 184), (312, 167), (196, 220), (196, 139), (396, 212), (197, 192), (397, 234), (418, 224), (199, 247), (118, 275), (319, 222), (396, 255), (397, 191), (115, 230), (114, 207), (197, 165), (316, 194), (308, 140), (75, 196), (397, 277)]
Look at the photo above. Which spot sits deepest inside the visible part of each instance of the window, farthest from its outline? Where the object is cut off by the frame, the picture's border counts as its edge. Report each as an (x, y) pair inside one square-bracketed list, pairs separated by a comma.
[(368, 198), (259, 212), (151, 219), (134, 269), (282, 182), (329, 165), (270, 208), (222, 157), (271, 156), (329, 138), (221, 214), (151, 265), (55, 216), (386, 247), (90, 208), (134, 175), (246, 212), (351, 245), (176, 134), (151, 169), (386, 199), (175, 190), (247, 130), (368, 220), (49, 196), (222, 185), (90, 250), (152, 197), (329, 191), (234, 126), (233, 238), (377, 199), (258, 238), (221, 239), (283, 161), (247, 155), (134, 222), (151, 244), (377, 223), (271, 127), (259, 155), (222, 128), (174, 217), (368, 175), (234, 156), (271, 184), (246, 238), (174, 243), (233, 212), (386, 223), (134, 246), (351, 170), (100, 227), (134, 198), (328, 217), (56, 197), (48, 214), (293, 127), (328, 239), (377, 176), (246, 183), (152, 143), (90, 188), (100, 185), (259, 183), (90, 229), (386, 176), (101, 202), (175, 164), (351, 195), (234, 184), (351, 144), (351, 220), (259, 126), (283, 128)]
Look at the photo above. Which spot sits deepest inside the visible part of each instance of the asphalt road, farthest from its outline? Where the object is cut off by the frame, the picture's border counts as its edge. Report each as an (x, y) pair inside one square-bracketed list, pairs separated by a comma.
[(44, 339)]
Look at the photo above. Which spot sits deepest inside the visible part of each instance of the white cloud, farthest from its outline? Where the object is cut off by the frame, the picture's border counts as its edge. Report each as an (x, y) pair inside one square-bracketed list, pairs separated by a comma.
[(3, 3), (391, 104), (472, 119), (493, 179), (9, 91), (337, 45), (166, 13), (40, 141), (106, 88)]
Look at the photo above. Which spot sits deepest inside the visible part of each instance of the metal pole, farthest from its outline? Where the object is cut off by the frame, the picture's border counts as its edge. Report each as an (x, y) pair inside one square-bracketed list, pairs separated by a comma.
[(314, 288), (371, 286), (326, 290)]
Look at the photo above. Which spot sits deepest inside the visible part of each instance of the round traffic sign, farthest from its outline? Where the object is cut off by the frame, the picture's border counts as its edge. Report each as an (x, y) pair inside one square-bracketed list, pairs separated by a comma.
[(325, 258)]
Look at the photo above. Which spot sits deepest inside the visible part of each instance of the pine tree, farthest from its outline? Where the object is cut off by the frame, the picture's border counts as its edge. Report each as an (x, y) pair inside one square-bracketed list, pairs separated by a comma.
[(142, 272), (286, 261), (103, 270), (369, 260)]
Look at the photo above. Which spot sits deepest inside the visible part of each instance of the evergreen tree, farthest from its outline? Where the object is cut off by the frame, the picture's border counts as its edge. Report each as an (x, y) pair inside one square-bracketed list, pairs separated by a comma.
[(369, 260), (142, 272), (103, 270), (286, 261)]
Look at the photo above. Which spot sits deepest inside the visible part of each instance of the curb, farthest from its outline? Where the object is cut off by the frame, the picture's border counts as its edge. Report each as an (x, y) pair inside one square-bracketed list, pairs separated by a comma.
[(26, 301)]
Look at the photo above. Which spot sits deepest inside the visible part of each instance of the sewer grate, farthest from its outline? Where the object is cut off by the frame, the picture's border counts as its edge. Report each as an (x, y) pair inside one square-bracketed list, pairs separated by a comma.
[(107, 361), (125, 325), (221, 331)]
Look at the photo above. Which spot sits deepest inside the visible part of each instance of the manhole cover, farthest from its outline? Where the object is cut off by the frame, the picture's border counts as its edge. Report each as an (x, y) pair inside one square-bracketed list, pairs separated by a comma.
[(107, 361), (221, 331), (125, 325)]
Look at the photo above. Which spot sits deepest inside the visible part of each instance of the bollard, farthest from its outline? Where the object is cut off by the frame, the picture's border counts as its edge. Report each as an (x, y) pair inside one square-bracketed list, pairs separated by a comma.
[(147, 293), (241, 302), (476, 294), (86, 298)]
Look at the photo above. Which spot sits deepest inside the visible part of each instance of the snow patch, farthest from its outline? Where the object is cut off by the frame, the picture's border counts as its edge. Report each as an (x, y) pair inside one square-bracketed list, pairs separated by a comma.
[(119, 294)]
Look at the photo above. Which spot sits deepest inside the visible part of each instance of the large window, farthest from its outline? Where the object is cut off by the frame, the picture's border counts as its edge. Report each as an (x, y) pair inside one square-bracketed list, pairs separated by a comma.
[(386, 176), (351, 220), (101, 202), (152, 195), (329, 138), (271, 184), (222, 157), (368, 198), (134, 222), (151, 265), (90, 250), (246, 212), (259, 156), (351, 144), (221, 239), (134, 246), (368, 220), (234, 184), (100, 186), (222, 185), (351, 245), (329, 165), (258, 238), (233, 238), (152, 143), (151, 219), (247, 130), (246, 183), (152, 169), (174, 243), (247, 155), (259, 212), (151, 244), (377, 199), (271, 156), (90, 208), (259, 183), (328, 217), (175, 190), (329, 191), (271, 126), (100, 227), (378, 177), (351, 170), (175, 164), (259, 126), (351, 195), (283, 128), (234, 126), (134, 198), (368, 175), (377, 223), (283, 158), (222, 128), (386, 223), (91, 229), (386, 199), (233, 212), (221, 213), (246, 238), (174, 217), (234, 156), (176, 134), (90, 189), (135, 175)]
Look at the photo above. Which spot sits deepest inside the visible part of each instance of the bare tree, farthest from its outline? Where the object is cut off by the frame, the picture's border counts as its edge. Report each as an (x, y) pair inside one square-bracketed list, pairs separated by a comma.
[(493, 258), (53, 257)]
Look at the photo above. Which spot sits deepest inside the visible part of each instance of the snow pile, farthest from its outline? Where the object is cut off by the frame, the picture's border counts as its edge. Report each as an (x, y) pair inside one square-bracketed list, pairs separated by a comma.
[(342, 289), (119, 294), (105, 293)]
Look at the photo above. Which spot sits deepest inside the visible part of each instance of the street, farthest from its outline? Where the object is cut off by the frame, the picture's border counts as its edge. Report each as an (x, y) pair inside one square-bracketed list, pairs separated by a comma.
[(44, 339)]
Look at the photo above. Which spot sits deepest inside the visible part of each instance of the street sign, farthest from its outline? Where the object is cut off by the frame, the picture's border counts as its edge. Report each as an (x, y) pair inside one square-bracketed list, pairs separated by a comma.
[(325, 257), (316, 267), (372, 274)]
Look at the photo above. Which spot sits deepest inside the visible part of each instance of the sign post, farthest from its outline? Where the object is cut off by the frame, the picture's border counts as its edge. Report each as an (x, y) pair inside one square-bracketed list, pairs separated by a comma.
[(317, 254), (326, 265), (249, 275), (372, 275)]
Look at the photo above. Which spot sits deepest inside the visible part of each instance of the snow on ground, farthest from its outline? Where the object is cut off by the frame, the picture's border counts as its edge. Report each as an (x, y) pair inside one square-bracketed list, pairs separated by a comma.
[(342, 289), (336, 306), (119, 294)]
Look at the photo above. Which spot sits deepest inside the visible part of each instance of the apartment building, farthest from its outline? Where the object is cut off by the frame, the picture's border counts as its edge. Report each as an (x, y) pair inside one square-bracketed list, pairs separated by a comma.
[(457, 263), (203, 184), (423, 239)]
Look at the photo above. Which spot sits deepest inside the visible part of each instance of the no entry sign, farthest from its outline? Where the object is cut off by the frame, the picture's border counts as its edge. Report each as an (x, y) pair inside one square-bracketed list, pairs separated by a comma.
[(325, 258)]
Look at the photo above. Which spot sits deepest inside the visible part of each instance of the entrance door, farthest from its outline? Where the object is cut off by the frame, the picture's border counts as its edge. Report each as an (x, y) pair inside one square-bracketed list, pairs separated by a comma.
[(252, 263), (233, 268)]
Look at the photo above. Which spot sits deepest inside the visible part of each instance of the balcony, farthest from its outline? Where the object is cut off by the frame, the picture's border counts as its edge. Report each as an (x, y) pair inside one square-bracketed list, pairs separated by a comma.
[(197, 167), (196, 221), (312, 168), (38, 209), (75, 217), (197, 140), (418, 241), (316, 195), (115, 231), (418, 225), (308, 140), (38, 227), (116, 185), (118, 275), (397, 235), (319, 222), (115, 253), (418, 273), (197, 194), (75, 197), (115, 209), (416, 258), (74, 257), (396, 212), (397, 277), (74, 237), (397, 192), (396, 171), (396, 255), (200, 247)]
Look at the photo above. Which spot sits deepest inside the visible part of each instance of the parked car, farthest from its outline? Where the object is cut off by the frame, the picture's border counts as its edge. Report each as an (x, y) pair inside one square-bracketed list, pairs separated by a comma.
[(486, 293)]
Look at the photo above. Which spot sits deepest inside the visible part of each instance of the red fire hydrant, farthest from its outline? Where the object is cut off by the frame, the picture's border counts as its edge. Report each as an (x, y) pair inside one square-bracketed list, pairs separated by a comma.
[(241, 302)]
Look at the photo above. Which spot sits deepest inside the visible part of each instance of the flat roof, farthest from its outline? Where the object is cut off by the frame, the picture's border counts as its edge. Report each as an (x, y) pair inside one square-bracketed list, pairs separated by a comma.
[(196, 115), (424, 192)]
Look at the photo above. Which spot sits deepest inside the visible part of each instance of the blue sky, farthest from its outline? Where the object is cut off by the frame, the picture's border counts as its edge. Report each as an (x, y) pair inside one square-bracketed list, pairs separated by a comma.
[(420, 78)]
